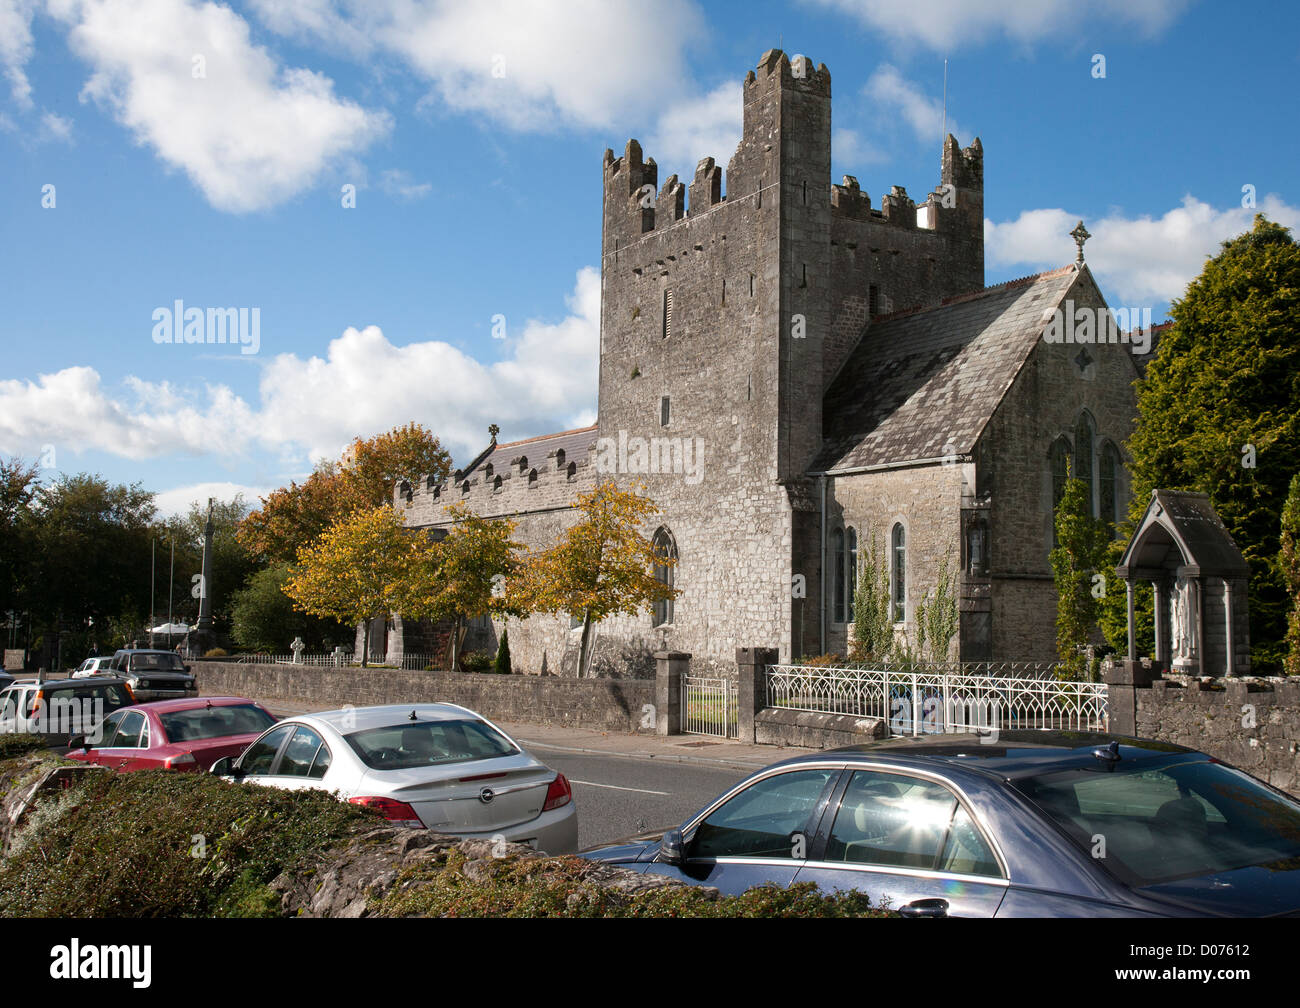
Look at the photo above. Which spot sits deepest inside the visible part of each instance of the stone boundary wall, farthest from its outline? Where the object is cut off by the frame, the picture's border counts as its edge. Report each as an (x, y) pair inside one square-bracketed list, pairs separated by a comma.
[(598, 704), (809, 729), (1254, 724)]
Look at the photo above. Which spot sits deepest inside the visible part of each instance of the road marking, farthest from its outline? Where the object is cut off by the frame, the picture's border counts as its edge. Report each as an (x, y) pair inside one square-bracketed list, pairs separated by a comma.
[(615, 787)]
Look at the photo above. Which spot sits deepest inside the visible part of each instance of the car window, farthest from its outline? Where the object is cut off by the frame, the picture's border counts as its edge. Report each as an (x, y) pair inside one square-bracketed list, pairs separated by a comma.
[(321, 764), (1181, 820), (299, 759), (129, 731), (168, 662), (9, 704), (108, 730), (766, 820), (896, 821), (215, 722), (428, 743), (258, 759)]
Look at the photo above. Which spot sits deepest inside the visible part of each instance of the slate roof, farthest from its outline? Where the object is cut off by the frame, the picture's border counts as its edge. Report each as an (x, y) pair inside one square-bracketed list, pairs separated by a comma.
[(923, 383), (1187, 522), (540, 451)]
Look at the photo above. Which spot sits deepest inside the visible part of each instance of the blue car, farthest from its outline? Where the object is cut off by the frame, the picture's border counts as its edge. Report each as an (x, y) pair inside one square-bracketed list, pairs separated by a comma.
[(1021, 824)]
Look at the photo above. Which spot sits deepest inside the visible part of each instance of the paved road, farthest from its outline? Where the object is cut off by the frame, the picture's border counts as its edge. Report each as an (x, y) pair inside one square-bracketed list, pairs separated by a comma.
[(618, 796)]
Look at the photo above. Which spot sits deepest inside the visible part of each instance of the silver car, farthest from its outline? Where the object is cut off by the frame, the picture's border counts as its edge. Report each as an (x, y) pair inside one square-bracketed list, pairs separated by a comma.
[(429, 766)]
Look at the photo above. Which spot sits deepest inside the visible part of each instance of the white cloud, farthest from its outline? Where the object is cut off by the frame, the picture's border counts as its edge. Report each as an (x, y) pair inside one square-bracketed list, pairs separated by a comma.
[(364, 385), (16, 48), (891, 94), (524, 65), (848, 149), (56, 127), (177, 500), (400, 184), (945, 25), (249, 133), (698, 127), (1137, 260)]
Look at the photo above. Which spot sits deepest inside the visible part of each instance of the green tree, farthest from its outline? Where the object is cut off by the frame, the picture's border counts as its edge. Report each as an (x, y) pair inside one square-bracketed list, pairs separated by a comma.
[(359, 569), (263, 617), (502, 666), (232, 563), (1219, 410), (1080, 551), (1290, 564), (464, 575), (873, 625), (18, 485), (602, 565), (937, 618)]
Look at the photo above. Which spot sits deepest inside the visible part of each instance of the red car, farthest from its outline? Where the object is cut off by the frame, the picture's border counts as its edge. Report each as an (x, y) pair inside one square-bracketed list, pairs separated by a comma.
[(189, 734)]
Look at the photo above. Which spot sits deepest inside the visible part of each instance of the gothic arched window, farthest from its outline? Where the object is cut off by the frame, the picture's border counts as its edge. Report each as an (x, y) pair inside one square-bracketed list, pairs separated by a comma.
[(1059, 462), (838, 601), (898, 573), (666, 548), (1108, 483), (851, 571), (1083, 457)]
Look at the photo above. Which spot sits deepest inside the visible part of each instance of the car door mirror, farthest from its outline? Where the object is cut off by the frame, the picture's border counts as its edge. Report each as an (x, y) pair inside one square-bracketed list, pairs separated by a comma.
[(226, 767), (672, 847)]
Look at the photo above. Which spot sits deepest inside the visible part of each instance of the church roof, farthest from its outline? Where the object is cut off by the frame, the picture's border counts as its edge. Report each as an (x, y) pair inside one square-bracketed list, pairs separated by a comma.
[(574, 443), (923, 383)]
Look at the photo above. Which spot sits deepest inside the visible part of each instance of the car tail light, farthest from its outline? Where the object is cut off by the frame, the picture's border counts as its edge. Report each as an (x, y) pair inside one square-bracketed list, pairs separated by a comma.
[(184, 761), (396, 812), (558, 794)]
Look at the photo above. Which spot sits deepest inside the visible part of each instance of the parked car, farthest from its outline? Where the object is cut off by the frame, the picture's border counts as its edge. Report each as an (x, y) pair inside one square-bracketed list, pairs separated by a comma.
[(1036, 824), (5, 680), (93, 666), (154, 674), (58, 708), (428, 766), (174, 734)]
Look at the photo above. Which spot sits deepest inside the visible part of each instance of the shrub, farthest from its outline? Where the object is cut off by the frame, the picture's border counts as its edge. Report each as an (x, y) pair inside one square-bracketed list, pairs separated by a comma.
[(502, 664), (216, 652), (128, 845), (476, 661)]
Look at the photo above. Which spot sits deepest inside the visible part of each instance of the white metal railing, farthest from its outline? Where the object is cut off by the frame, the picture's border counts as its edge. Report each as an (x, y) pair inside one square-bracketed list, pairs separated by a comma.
[(710, 706), (931, 700), (336, 659)]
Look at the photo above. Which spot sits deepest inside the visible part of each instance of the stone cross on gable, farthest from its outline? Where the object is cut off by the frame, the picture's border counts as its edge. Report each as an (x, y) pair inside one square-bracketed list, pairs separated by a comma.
[(1080, 235)]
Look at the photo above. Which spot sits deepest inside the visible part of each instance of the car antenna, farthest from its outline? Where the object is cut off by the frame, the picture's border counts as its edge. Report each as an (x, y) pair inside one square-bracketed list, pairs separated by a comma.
[(412, 717), (1109, 753)]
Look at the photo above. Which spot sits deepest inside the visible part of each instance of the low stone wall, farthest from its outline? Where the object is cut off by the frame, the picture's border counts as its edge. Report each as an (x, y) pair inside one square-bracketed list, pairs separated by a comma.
[(778, 726), (617, 705), (1253, 724)]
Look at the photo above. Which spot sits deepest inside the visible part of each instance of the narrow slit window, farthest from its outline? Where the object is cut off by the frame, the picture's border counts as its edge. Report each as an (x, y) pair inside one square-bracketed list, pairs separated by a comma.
[(668, 314), (665, 411)]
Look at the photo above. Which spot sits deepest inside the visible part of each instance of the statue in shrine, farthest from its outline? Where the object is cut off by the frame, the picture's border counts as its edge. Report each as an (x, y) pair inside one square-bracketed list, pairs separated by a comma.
[(1184, 619)]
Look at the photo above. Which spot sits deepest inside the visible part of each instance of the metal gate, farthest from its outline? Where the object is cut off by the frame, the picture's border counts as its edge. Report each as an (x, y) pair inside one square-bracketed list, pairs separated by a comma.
[(710, 706)]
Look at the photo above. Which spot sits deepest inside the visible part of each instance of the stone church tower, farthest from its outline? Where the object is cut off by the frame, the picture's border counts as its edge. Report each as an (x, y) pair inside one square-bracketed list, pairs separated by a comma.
[(785, 367)]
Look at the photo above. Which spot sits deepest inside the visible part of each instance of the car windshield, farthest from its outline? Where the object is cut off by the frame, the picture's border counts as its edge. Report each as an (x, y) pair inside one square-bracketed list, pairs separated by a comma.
[(157, 663), (428, 743), (214, 722), (1183, 820)]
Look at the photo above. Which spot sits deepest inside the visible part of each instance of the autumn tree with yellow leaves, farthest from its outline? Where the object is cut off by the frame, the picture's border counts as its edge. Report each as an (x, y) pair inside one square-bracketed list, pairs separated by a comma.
[(465, 574), (360, 568), (602, 566)]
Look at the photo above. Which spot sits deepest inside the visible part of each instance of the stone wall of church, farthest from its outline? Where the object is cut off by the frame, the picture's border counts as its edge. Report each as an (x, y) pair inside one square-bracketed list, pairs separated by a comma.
[(927, 501)]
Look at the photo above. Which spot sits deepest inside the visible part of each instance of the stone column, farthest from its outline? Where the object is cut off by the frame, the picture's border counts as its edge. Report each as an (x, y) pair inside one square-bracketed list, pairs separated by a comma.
[(1162, 627), (752, 686), (1123, 679), (1132, 630), (670, 666)]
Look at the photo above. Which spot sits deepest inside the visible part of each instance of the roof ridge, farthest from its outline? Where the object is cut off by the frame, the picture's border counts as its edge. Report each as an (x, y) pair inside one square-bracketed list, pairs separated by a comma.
[(953, 299), (543, 437)]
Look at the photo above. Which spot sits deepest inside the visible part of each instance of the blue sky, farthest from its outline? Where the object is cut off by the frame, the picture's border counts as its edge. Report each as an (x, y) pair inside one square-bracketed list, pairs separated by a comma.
[(200, 152)]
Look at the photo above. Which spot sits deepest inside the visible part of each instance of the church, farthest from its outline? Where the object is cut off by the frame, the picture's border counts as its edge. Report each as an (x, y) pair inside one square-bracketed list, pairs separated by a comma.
[(794, 373)]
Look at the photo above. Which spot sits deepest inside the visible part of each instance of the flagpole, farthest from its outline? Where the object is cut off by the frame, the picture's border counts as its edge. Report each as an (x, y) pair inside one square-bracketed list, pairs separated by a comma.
[(153, 543)]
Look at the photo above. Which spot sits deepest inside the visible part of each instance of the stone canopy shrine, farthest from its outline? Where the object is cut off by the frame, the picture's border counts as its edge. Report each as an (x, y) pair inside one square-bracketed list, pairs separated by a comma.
[(1202, 622)]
